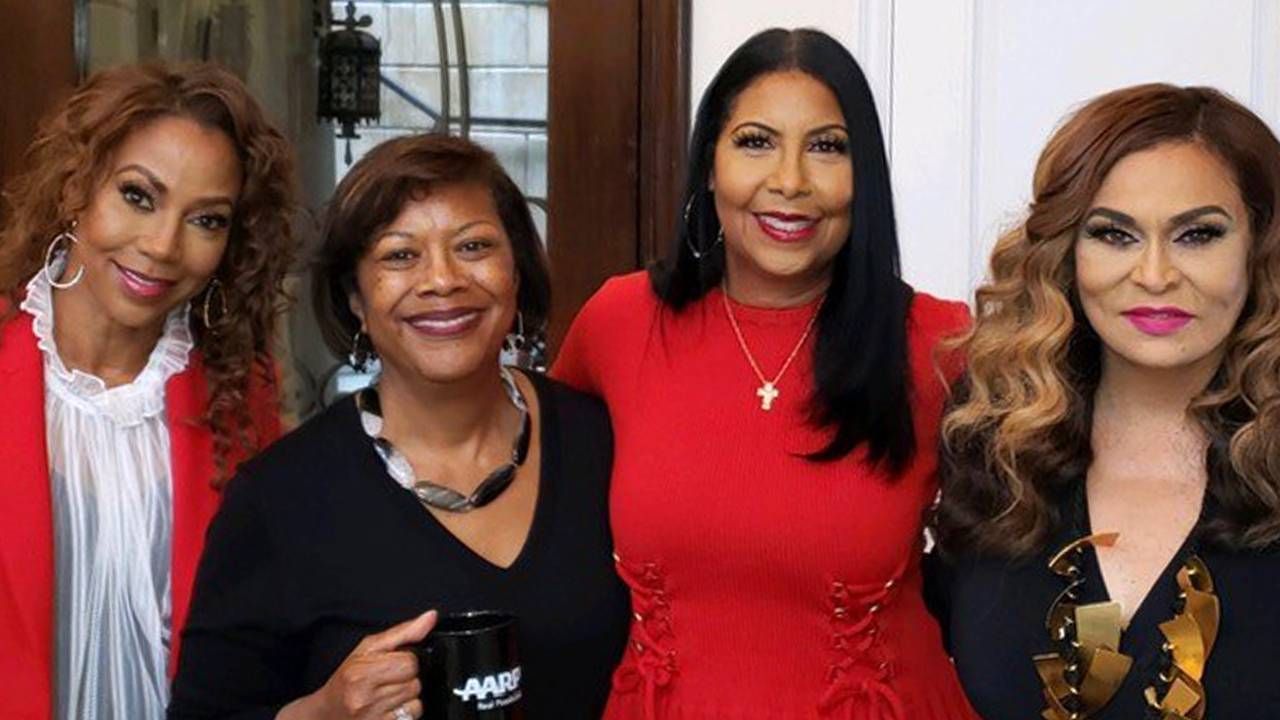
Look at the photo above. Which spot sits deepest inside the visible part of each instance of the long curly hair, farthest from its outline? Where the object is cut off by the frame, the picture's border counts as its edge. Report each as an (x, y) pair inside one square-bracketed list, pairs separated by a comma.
[(1017, 433), (69, 160)]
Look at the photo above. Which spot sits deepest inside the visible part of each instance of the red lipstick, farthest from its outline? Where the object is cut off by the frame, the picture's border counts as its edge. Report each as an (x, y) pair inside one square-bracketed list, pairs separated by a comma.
[(787, 227)]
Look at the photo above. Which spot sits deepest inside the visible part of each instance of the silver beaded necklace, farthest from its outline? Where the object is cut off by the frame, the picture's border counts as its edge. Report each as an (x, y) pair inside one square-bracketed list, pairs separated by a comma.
[(432, 494)]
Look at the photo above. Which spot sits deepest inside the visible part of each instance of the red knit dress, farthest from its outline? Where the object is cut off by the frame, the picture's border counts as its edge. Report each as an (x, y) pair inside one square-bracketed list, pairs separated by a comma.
[(764, 585)]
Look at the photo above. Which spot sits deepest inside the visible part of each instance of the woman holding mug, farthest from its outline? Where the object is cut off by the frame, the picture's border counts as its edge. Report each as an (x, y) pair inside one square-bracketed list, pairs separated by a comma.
[(452, 484)]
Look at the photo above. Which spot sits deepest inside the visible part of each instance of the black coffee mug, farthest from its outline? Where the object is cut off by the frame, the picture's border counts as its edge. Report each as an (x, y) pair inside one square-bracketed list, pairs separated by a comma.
[(469, 666)]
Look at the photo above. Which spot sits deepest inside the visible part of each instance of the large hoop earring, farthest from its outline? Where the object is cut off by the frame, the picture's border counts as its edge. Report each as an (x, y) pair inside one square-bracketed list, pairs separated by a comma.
[(699, 254), (70, 237), (215, 285), (693, 249)]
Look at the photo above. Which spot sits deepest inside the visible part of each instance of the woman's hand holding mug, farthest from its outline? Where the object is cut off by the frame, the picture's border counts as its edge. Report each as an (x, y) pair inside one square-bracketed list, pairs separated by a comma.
[(377, 681)]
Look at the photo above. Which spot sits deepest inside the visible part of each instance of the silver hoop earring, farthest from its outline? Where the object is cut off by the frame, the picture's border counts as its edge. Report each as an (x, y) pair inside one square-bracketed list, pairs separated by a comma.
[(215, 285), (48, 259), (699, 254)]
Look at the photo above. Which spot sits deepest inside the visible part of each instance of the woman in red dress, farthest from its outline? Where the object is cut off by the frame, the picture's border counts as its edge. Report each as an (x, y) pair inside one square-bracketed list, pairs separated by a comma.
[(775, 396)]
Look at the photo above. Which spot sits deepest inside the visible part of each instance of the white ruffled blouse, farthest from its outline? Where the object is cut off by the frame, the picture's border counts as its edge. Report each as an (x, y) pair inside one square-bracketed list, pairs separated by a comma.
[(110, 472)]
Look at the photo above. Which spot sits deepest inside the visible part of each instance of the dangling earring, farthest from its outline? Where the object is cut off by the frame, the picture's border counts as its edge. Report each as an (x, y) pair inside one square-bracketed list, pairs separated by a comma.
[(528, 352), (70, 237), (215, 285), (359, 357), (516, 344)]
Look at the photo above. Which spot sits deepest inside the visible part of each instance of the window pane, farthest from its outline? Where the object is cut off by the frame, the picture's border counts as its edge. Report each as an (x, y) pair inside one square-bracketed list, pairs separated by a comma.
[(496, 80)]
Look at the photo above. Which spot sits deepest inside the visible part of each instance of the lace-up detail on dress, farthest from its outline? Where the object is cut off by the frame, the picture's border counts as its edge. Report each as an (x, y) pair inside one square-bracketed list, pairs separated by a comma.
[(860, 680), (649, 663), (747, 534)]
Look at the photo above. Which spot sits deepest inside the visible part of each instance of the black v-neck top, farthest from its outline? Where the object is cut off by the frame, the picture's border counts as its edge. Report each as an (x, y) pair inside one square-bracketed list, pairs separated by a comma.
[(315, 546), (992, 612)]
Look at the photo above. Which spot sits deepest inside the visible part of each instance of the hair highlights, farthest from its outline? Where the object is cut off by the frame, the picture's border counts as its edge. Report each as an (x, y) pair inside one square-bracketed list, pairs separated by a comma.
[(1017, 433)]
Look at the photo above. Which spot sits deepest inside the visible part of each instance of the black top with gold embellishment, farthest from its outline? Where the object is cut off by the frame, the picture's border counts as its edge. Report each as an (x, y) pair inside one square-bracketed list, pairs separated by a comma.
[(993, 614)]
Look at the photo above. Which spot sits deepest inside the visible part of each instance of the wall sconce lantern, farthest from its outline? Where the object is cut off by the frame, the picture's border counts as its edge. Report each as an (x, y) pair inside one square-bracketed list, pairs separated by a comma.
[(350, 71)]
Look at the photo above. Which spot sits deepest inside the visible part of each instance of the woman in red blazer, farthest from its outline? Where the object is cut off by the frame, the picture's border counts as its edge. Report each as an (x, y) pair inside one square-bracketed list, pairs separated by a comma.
[(141, 261)]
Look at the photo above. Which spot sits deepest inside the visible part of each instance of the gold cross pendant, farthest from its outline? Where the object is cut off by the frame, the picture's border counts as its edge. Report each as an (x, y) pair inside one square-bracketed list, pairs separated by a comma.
[(768, 393)]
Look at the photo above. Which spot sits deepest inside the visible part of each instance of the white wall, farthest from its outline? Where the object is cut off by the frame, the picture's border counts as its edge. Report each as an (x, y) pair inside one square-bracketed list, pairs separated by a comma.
[(969, 91), (719, 26)]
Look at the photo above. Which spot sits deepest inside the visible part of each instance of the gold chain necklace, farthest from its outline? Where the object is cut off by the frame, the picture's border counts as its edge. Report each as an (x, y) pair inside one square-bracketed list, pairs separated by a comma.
[(768, 390)]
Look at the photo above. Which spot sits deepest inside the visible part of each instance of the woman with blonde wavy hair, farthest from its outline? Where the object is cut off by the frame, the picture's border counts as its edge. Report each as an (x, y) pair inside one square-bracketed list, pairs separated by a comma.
[(1110, 519), (142, 256)]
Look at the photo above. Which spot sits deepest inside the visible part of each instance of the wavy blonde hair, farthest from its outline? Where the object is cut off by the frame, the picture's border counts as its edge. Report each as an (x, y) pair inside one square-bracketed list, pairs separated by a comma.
[(1016, 435), (69, 160)]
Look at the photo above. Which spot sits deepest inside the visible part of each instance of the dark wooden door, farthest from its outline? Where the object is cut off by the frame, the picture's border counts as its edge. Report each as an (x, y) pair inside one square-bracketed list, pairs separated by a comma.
[(37, 70), (618, 120)]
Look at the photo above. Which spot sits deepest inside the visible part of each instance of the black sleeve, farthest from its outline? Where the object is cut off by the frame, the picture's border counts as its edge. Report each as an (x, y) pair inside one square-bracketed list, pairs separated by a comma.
[(587, 437), (240, 655), (937, 591)]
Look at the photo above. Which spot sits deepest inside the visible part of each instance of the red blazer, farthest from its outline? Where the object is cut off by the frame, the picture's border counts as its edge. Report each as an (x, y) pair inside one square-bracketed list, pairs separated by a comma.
[(26, 523)]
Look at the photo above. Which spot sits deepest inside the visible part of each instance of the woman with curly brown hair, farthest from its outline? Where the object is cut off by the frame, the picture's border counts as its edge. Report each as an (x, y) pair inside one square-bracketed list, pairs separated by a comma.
[(1110, 518), (141, 263)]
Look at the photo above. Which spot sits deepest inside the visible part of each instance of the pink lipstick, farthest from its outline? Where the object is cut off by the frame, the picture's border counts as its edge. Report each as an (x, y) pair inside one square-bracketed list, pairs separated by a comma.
[(787, 227), (1158, 321), (140, 285)]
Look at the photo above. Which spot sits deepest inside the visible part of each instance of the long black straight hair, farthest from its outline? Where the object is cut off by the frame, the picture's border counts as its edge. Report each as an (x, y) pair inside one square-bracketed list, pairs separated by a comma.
[(862, 384)]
